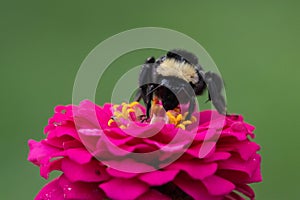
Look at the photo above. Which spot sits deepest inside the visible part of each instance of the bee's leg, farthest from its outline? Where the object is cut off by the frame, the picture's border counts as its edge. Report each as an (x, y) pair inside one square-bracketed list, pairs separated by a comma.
[(191, 108), (138, 95), (149, 98), (141, 94), (146, 79), (209, 98), (215, 86)]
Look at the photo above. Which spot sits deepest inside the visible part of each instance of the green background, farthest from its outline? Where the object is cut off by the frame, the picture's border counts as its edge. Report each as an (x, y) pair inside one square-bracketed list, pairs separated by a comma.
[(254, 44)]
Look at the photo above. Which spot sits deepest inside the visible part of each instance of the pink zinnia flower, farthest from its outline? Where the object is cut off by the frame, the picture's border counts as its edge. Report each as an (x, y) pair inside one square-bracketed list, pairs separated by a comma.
[(101, 158)]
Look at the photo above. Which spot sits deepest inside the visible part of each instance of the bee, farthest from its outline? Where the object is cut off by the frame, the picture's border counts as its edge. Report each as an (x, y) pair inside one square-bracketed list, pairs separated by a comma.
[(177, 78)]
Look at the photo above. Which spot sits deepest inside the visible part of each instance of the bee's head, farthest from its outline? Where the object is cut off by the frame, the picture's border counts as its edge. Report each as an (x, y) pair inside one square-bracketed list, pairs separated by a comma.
[(182, 56)]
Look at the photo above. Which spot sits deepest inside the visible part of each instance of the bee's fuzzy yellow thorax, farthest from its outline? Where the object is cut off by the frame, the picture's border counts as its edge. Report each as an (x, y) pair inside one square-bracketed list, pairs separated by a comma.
[(182, 70)]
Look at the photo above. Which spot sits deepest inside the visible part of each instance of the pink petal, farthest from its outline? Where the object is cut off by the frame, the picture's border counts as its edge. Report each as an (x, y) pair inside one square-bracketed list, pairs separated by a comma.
[(79, 155), (153, 195), (194, 188), (233, 196), (57, 142), (124, 188), (51, 191), (245, 149), (217, 156), (66, 130), (72, 144), (157, 178), (80, 190), (246, 190), (129, 165), (144, 132), (51, 166), (90, 172), (217, 185), (39, 153), (195, 168), (256, 175), (140, 148), (120, 174), (237, 135), (205, 116), (237, 164)]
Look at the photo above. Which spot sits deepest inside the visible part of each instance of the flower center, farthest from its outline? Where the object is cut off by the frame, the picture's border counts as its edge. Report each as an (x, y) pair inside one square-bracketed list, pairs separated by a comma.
[(126, 113)]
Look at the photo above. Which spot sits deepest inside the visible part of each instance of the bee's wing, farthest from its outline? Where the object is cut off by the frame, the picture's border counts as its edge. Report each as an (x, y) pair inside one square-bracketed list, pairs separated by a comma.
[(215, 86)]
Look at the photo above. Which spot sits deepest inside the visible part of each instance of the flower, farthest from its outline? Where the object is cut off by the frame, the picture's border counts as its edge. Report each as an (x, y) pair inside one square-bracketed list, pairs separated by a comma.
[(209, 157)]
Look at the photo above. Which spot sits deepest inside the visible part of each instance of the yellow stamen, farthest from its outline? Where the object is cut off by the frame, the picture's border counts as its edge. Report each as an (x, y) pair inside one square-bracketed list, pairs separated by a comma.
[(115, 106), (179, 118), (130, 110), (181, 126), (110, 122), (193, 119), (172, 119), (187, 122), (122, 126), (124, 111), (133, 104), (118, 115), (185, 114)]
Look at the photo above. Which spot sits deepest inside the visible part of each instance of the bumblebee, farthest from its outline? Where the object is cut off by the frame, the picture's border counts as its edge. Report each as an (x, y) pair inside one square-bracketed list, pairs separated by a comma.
[(177, 78)]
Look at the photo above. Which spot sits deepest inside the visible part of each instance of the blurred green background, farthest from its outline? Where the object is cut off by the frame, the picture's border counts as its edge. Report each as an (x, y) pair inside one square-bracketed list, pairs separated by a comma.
[(254, 44)]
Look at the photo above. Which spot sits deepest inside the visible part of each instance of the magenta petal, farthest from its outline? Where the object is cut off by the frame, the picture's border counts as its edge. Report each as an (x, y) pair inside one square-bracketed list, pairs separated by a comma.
[(70, 144), (79, 155), (194, 188), (124, 188), (129, 165), (245, 149), (157, 178), (55, 141), (80, 190), (246, 190), (153, 195), (51, 191), (239, 136), (217, 185), (233, 196), (208, 169), (40, 153), (217, 156), (205, 116), (66, 131), (53, 165), (237, 164), (120, 174), (146, 131), (196, 169), (90, 172), (256, 175)]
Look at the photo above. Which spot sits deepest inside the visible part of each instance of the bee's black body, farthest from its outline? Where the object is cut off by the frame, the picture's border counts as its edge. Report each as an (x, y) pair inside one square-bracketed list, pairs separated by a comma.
[(178, 77)]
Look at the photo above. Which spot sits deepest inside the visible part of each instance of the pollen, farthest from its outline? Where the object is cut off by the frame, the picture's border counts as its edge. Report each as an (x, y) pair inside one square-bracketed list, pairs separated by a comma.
[(180, 120), (126, 113), (110, 122), (133, 104)]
